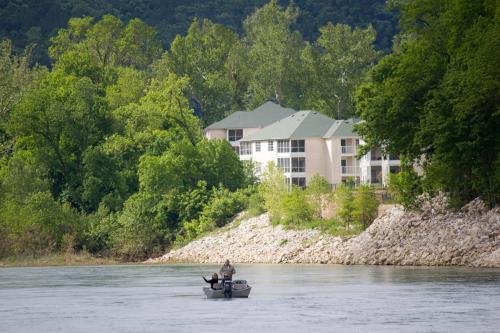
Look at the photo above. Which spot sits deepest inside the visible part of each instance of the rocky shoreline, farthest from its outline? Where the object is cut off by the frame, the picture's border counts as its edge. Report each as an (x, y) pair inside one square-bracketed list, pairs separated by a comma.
[(431, 236)]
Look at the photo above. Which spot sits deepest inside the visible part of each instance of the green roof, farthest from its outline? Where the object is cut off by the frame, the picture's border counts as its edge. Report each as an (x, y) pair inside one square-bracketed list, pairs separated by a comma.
[(260, 117), (342, 128), (304, 124)]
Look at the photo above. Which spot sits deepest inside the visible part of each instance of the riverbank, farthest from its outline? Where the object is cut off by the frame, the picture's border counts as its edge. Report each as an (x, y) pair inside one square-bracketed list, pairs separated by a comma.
[(432, 236), (57, 259)]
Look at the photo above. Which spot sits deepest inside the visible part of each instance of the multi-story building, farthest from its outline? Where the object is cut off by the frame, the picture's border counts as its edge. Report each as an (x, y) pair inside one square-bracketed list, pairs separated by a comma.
[(376, 167), (302, 144), (242, 123)]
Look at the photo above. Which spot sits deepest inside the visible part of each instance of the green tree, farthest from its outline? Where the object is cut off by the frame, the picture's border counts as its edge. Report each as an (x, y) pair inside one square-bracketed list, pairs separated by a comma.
[(334, 67), (15, 78), (345, 205), (201, 55), (273, 55), (318, 192), (59, 120), (435, 99), (365, 205)]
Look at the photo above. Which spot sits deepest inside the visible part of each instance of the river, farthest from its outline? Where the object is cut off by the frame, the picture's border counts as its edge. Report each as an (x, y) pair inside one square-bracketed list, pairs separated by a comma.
[(284, 298)]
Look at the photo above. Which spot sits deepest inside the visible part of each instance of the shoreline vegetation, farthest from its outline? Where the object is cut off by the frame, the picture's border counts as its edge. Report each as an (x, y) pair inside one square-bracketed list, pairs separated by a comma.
[(58, 259), (103, 152)]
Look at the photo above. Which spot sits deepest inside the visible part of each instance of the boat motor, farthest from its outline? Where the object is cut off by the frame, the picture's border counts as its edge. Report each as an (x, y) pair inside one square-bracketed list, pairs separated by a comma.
[(228, 288)]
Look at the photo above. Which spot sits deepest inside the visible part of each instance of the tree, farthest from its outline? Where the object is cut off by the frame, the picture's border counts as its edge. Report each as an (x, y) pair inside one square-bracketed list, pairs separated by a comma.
[(318, 191), (15, 78), (201, 55), (273, 55), (58, 121), (106, 43), (365, 205), (345, 205), (335, 66), (435, 99)]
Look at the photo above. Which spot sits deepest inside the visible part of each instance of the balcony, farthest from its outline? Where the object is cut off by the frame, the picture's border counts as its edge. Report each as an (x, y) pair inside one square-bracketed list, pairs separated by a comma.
[(349, 170), (348, 149)]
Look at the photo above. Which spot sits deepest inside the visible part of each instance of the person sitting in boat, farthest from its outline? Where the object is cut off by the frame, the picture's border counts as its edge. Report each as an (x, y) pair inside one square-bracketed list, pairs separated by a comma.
[(227, 270), (213, 280)]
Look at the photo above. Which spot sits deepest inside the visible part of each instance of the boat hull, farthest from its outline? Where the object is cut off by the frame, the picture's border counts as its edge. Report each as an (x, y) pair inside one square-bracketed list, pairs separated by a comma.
[(219, 293)]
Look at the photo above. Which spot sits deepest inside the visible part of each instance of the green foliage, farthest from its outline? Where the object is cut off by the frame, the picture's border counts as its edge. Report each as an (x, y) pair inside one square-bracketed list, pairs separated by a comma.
[(365, 205), (405, 186), (435, 99), (201, 55), (294, 209), (344, 198), (335, 66), (319, 193), (29, 22)]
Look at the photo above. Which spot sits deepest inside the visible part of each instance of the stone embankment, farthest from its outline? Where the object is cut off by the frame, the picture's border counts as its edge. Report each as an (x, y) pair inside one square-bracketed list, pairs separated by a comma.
[(431, 236)]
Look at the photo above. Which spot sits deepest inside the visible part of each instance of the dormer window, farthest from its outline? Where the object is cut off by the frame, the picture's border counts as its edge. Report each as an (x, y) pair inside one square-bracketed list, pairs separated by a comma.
[(234, 134)]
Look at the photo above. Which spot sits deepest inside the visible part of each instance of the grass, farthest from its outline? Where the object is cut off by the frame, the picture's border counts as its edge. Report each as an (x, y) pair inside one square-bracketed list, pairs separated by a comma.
[(56, 259)]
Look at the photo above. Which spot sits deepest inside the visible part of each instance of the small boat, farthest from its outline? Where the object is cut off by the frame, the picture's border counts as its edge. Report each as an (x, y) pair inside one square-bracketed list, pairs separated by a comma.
[(239, 289)]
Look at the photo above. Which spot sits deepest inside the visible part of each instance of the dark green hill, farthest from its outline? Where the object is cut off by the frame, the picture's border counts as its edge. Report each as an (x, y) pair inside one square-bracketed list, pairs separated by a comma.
[(35, 21)]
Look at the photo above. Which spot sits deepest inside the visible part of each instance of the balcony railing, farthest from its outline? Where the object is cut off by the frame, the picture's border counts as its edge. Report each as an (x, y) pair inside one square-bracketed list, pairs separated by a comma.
[(347, 149), (349, 170)]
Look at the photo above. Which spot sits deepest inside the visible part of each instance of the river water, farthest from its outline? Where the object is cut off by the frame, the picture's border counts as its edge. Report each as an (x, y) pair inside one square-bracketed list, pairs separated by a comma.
[(284, 298)]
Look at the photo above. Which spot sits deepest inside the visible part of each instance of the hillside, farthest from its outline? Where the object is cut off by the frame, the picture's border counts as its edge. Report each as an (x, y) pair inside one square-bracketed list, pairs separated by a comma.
[(35, 21)]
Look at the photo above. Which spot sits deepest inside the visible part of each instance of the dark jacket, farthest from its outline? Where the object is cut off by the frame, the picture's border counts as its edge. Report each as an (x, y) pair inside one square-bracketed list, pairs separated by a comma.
[(211, 281)]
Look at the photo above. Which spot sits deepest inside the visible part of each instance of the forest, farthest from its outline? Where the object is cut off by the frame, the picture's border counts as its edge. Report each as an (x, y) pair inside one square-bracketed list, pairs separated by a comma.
[(101, 146), (28, 22)]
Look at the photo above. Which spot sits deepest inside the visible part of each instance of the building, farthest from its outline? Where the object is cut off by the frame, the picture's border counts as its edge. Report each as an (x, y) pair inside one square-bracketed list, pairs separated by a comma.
[(242, 123), (301, 143), (376, 167)]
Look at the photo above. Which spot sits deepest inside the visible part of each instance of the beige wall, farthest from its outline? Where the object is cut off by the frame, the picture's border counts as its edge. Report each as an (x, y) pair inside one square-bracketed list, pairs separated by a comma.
[(216, 134), (334, 160), (316, 154)]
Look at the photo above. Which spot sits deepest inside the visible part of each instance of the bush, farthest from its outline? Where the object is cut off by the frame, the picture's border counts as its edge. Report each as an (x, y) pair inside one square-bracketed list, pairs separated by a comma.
[(405, 186), (345, 205), (365, 205), (294, 209)]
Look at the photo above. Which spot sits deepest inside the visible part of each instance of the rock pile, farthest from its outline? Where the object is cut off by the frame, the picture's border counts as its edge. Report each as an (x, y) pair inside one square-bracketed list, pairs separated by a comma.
[(431, 236)]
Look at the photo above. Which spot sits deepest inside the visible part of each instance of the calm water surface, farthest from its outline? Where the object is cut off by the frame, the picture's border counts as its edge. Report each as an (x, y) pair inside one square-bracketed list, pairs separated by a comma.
[(284, 298)]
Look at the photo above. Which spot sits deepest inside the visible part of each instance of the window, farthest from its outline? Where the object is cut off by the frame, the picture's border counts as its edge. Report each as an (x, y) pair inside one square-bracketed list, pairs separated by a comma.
[(284, 164), (270, 145), (283, 146), (236, 150), (257, 146), (298, 164), (245, 148), (234, 134), (298, 146), (299, 181)]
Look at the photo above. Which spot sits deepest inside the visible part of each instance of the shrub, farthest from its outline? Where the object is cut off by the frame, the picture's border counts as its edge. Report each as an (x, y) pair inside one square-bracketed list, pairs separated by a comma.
[(365, 205), (345, 204)]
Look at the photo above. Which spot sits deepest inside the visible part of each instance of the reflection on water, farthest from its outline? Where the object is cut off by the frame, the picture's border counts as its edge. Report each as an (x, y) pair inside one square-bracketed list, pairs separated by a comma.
[(284, 298)]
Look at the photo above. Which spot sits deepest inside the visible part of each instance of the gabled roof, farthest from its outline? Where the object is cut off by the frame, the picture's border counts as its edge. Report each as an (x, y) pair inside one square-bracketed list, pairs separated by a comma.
[(304, 124), (342, 128), (262, 116)]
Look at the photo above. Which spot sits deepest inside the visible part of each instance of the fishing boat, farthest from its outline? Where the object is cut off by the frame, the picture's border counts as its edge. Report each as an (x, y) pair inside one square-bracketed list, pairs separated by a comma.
[(239, 289)]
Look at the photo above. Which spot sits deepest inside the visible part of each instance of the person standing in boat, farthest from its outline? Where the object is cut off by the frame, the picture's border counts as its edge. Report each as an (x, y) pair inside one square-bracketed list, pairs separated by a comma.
[(213, 280), (227, 270)]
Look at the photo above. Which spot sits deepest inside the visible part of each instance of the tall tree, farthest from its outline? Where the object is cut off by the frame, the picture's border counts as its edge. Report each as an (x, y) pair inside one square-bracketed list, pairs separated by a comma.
[(335, 65), (15, 77), (201, 55), (273, 55), (436, 98)]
